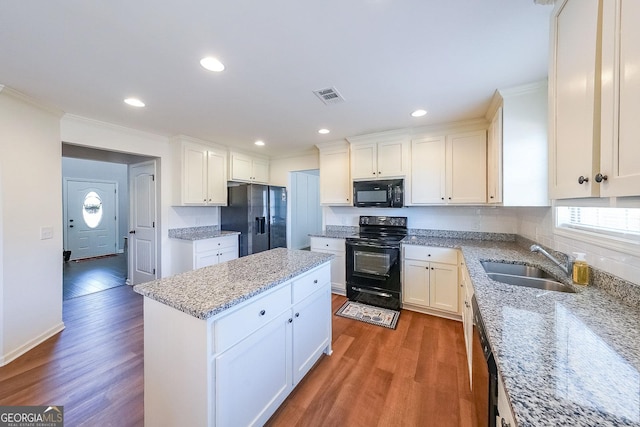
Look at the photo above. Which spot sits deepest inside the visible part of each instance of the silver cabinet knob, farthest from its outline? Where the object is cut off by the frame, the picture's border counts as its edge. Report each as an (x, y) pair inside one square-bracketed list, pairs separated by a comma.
[(600, 177)]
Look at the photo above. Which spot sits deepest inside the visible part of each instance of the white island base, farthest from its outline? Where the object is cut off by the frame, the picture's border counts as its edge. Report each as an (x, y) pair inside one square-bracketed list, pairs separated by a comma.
[(238, 366)]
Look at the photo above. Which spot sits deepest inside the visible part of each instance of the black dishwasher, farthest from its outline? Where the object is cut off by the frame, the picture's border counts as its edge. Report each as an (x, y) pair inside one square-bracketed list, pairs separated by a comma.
[(484, 381)]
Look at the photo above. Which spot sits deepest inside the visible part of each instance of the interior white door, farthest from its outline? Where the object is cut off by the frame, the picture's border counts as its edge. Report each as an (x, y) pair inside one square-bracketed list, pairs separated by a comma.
[(142, 234), (91, 218)]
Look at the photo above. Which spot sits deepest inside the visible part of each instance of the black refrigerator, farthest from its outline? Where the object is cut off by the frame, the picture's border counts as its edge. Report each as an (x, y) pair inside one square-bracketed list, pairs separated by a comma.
[(259, 213)]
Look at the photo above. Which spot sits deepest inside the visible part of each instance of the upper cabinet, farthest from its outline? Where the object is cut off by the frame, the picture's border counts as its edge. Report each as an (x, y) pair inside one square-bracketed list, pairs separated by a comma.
[(449, 169), (595, 99), (202, 172), (373, 157), (335, 182), (244, 168), (517, 138), (620, 100)]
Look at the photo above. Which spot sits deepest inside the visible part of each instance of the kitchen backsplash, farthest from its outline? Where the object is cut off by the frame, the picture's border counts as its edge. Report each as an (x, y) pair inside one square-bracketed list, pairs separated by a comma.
[(193, 216)]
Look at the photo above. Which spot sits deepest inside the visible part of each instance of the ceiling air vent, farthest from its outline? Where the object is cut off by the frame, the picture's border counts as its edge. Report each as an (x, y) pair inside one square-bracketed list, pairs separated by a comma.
[(329, 95)]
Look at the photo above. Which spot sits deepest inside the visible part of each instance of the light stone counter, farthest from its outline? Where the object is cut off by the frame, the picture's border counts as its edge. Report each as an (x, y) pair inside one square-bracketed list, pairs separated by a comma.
[(565, 359), (210, 290)]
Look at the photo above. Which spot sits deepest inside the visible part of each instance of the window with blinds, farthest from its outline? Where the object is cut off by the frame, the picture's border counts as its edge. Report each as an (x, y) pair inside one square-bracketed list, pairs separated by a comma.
[(620, 223)]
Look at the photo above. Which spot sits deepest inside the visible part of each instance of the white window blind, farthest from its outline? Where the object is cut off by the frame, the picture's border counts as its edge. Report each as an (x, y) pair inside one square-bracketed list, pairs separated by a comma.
[(621, 223)]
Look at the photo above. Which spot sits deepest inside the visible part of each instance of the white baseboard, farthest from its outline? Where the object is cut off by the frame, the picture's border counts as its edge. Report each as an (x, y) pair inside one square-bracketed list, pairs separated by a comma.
[(12, 355)]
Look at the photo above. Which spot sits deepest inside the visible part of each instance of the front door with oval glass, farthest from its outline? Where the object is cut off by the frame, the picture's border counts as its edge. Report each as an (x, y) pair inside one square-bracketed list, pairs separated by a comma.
[(90, 218)]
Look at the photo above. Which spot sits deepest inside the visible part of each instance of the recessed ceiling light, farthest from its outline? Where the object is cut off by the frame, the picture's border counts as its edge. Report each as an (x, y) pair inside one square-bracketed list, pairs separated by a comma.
[(259, 143), (323, 131), (419, 113), (134, 102), (212, 64)]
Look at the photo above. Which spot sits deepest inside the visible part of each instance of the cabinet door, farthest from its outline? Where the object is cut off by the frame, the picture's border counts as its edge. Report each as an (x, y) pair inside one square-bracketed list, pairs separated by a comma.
[(443, 287), (311, 331), (260, 170), (241, 167), (428, 178), (364, 161), (573, 83), (194, 174), (620, 149), (335, 183), (254, 377), (393, 158), (416, 283), (227, 254), (217, 178), (205, 259), (494, 159), (338, 273), (467, 168)]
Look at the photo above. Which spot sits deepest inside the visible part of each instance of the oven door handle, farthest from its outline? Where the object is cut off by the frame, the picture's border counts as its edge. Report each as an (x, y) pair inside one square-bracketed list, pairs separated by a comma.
[(370, 245), (367, 291)]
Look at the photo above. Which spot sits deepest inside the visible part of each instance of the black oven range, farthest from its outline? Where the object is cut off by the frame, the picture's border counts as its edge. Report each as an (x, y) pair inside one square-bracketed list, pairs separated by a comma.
[(373, 261)]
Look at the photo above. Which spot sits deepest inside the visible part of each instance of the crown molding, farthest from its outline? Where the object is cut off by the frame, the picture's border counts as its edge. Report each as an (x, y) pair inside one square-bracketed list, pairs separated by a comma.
[(31, 101), (114, 127)]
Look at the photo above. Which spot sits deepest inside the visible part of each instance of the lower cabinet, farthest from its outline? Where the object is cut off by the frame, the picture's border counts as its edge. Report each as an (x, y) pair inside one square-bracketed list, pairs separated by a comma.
[(193, 254), (430, 279), (505, 417), (337, 248), (467, 317), (237, 367)]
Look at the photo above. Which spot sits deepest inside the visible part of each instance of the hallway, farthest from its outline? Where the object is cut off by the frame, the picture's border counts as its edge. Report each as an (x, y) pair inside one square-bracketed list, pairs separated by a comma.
[(85, 277)]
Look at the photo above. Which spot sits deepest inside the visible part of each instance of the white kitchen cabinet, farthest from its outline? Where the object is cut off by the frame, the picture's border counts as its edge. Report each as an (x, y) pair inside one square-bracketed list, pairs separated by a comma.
[(255, 375), (374, 159), (193, 254), (336, 247), (430, 280), (516, 139), (596, 99), (494, 158), (244, 168), (449, 169), (620, 100), (310, 336), (467, 317), (335, 179), (505, 416), (202, 171), (237, 367)]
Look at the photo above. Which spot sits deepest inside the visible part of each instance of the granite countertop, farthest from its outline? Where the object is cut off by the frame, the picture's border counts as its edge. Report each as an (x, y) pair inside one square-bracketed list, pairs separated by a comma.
[(199, 233), (335, 234), (210, 290), (565, 359)]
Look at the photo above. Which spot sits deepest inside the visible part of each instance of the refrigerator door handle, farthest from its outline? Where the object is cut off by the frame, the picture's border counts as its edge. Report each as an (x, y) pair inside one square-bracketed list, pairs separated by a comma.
[(257, 227), (263, 225)]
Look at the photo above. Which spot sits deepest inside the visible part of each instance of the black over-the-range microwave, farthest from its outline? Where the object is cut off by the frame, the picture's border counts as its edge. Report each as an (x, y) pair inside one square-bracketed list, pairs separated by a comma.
[(378, 194)]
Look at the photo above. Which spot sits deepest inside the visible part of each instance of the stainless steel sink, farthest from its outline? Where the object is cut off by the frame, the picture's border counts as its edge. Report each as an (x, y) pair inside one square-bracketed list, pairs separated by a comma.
[(523, 275)]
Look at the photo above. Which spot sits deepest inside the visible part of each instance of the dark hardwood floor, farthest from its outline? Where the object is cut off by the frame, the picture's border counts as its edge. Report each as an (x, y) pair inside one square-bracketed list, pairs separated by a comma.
[(87, 276), (412, 376)]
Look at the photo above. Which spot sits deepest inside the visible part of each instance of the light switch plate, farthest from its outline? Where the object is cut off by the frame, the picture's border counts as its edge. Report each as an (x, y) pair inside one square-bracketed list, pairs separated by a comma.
[(46, 233)]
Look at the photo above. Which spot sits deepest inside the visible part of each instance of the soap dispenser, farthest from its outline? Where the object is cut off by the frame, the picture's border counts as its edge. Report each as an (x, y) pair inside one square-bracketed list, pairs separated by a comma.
[(580, 269)]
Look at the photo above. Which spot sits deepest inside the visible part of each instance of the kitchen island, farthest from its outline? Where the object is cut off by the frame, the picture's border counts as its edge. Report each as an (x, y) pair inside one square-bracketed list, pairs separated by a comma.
[(226, 344)]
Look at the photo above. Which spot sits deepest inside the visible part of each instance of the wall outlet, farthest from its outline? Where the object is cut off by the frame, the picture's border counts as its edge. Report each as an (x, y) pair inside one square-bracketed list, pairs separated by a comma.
[(46, 233)]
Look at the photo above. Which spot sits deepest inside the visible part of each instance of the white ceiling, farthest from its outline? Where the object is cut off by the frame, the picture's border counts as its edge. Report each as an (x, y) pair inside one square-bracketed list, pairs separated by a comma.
[(386, 57)]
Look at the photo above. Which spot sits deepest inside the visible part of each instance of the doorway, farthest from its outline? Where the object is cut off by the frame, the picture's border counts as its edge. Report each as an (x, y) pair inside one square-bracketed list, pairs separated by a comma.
[(97, 227), (305, 210)]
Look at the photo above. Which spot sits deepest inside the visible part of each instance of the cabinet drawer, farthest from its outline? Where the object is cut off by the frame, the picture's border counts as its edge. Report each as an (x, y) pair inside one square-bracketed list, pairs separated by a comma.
[(311, 282), (431, 254), (327, 243), (215, 243), (242, 321)]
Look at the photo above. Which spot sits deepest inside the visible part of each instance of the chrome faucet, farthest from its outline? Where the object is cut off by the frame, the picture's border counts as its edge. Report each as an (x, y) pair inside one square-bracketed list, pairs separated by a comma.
[(567, 267)]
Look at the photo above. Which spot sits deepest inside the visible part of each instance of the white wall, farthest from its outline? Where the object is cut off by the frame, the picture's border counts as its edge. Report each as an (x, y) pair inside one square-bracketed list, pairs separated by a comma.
[(106, 136), (279, 168), (537, 224), (193, 216), (31, 198), (459, 218), (105, 171)]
